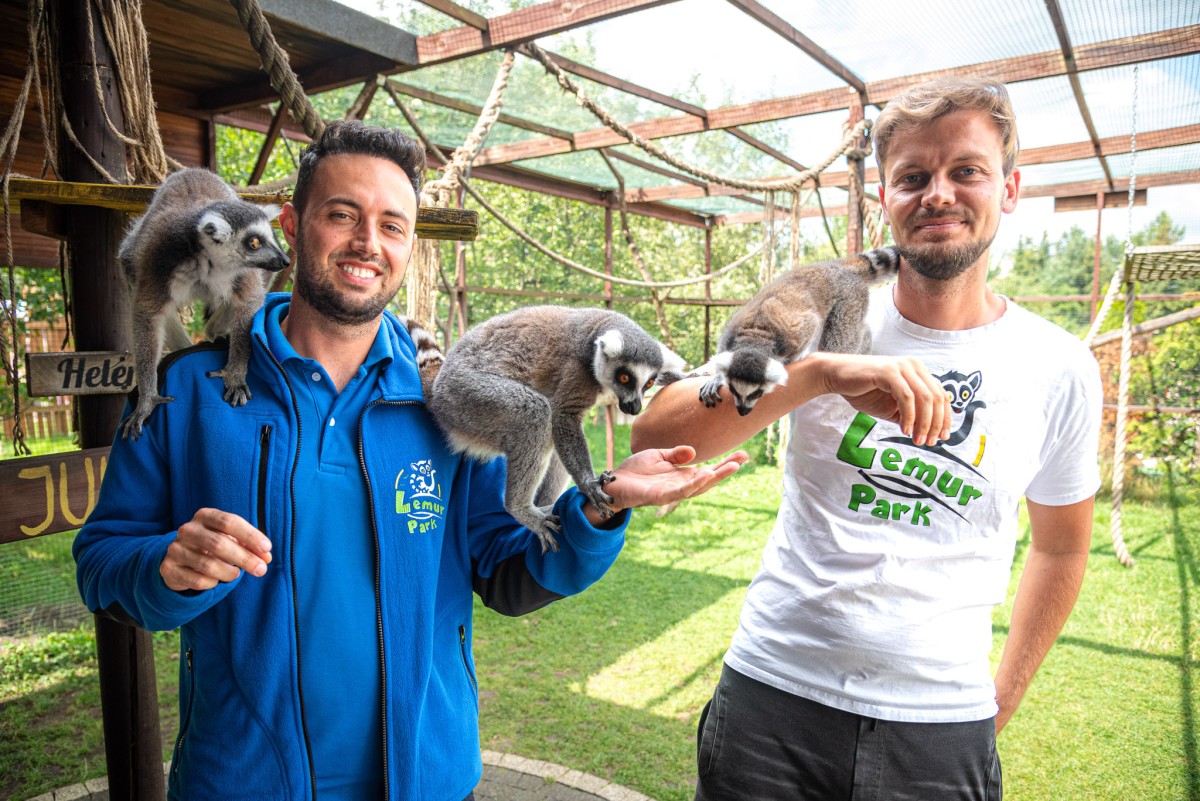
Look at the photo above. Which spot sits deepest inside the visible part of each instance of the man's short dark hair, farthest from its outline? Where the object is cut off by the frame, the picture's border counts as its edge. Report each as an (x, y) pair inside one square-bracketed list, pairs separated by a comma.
[(356, 138)]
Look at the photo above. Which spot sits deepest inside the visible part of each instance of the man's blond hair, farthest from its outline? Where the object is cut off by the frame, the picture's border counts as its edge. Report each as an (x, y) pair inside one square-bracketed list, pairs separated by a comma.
[(927, 102)]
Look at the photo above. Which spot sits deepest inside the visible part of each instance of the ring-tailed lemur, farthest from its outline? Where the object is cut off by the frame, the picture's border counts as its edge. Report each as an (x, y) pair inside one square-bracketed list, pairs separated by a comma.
[(197, 241), (519, 384), (815, 306)]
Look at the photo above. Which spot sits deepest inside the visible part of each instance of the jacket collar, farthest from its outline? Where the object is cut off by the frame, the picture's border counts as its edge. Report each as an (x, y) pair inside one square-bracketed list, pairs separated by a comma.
[(399, 382)]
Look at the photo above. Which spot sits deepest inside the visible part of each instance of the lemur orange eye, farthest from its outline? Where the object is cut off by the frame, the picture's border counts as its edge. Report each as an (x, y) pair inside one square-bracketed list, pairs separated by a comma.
[(254, 243), (649, 384), (623, 378)]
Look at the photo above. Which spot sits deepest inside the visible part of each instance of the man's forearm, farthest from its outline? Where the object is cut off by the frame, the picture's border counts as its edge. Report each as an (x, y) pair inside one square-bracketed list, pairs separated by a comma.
[(1045, 597), (677, 416), (900, 389)]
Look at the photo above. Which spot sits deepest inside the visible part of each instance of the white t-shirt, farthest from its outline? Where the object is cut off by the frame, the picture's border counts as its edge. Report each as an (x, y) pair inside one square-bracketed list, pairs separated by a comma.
[(878, 582)]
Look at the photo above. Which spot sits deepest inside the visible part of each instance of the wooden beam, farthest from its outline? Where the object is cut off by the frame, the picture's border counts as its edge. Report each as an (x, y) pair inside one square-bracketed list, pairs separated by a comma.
[(338, 22), (44, 219), (571, 190), (780, 214), (455, 11), (762, 146), (1117, 52), (597, 298), (1110, 146), (1092, 187), (1064, 41), (522, 26), (268, 145), (432, 222), (353, 67), (471, 108), (1113, 145), (1170, 43), (652, 167), (1157, 324), (1111, 200), (604, 79), (780, 26)]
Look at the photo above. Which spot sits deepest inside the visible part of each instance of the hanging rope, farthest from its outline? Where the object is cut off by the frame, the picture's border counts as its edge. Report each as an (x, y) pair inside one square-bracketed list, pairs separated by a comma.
[(538, 246), (38, 34), (1118, 477), (1119, 439), (792, 184), (427, 260), (656, 295), (441, 190), (278, 68)]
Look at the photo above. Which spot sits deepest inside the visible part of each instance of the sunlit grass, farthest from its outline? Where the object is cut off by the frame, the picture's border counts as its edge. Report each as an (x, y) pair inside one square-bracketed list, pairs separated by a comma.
[(612, 682)]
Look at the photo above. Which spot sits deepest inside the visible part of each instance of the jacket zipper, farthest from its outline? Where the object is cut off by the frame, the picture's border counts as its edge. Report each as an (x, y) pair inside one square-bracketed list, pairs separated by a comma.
[(362, 461), (462, 647), (312, 770), (264, 443), (188, 718)]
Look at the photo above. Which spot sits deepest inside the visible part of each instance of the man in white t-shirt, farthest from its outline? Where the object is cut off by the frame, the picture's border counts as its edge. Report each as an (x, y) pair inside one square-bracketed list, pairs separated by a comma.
[(860, 667)]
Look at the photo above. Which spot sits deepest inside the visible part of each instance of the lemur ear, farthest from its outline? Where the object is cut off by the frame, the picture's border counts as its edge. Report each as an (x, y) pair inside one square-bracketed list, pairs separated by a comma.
[(722, 360), (610, 343), (271, 210), (214, 226), (672, 361), (776, 372)]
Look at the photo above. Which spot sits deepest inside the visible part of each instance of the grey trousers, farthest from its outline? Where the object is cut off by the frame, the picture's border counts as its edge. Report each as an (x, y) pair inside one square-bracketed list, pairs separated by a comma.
[(758, 743)]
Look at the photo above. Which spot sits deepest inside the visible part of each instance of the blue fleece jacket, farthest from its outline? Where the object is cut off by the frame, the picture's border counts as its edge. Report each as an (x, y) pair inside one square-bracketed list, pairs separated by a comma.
[(440, 532)]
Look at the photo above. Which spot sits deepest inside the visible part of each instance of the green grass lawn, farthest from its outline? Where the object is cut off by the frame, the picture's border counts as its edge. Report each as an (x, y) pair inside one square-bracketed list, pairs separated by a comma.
[(612, 682)]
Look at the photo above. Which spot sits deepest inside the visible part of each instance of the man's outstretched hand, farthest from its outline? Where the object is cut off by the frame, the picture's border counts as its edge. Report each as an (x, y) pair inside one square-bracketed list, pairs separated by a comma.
[(655, 477)]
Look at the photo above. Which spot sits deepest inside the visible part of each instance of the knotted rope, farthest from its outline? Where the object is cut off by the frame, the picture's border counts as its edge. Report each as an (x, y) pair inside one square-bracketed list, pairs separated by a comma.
[(427, 260), (538, 246), (657, 296), (278, 68), (790, 184)]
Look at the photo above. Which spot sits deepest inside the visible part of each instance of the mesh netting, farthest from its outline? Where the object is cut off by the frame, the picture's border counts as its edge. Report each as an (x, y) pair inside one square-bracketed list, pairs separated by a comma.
[(1163, 263)]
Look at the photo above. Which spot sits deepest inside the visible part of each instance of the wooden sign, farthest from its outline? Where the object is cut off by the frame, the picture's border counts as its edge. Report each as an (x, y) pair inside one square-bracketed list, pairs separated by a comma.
[(49, 494), (87, 373)]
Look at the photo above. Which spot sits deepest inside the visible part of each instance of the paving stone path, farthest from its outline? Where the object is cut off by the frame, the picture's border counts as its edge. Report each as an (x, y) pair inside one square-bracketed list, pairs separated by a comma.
[(506, 777)]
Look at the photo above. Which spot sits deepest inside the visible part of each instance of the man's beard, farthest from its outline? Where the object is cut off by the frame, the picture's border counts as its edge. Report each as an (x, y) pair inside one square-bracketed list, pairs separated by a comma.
[(942, 261), (317, 290)]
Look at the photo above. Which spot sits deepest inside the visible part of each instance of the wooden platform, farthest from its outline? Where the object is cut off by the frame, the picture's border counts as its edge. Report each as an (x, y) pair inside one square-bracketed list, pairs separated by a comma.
[(432, 222)]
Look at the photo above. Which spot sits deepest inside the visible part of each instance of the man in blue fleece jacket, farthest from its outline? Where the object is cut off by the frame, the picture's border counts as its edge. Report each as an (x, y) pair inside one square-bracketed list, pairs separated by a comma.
[(318, 547)]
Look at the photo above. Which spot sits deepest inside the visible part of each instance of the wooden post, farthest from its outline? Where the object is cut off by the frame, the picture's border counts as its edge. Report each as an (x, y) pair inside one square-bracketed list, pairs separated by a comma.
[(128, 691), (609, 446), (854, 218), (458, 295), (708, 291), (1096, 261)]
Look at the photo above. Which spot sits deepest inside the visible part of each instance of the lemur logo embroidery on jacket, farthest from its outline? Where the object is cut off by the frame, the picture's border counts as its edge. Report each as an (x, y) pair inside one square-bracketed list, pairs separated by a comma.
[(422, 500)]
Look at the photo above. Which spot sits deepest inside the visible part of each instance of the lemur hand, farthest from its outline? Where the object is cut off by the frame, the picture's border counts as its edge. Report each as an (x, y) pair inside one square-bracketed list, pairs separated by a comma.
[(214, 547), (654, 477)]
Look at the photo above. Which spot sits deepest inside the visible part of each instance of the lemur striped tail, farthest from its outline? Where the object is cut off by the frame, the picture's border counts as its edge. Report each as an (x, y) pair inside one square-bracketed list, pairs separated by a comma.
[(879, 264), (429, 355)]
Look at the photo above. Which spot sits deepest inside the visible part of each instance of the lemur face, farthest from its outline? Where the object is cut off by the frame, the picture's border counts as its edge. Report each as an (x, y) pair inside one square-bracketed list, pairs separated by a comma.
[(630, 382), (627, 368), (749, 375)]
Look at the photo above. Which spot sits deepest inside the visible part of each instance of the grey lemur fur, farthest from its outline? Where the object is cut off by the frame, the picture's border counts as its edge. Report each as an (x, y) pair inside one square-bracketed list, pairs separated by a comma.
[(815, 306), (519, 384), (197, 241)]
